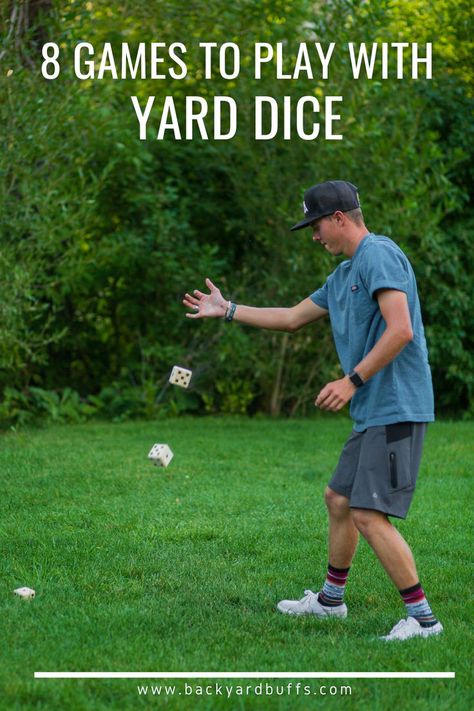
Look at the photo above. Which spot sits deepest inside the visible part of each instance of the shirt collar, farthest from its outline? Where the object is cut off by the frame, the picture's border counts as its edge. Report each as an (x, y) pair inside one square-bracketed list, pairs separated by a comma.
[(361, 244)]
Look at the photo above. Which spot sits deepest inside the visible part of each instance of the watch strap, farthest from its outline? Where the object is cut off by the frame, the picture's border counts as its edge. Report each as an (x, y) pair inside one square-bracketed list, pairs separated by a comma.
[(355, 379), (229, 315)]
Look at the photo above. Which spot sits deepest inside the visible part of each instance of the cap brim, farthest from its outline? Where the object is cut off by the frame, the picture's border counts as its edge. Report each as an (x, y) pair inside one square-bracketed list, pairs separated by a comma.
[(303, 223), (308, 220)]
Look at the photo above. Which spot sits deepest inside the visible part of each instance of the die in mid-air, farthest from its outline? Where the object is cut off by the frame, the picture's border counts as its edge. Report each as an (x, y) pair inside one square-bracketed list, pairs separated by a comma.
[(161, 455), (180, 376)]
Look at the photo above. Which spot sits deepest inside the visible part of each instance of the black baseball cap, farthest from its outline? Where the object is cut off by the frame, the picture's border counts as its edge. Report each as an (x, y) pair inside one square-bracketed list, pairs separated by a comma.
[(325, 198)]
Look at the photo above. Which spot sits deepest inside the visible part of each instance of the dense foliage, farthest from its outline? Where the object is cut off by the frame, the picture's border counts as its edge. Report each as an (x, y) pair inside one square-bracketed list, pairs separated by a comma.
[(101, 233)]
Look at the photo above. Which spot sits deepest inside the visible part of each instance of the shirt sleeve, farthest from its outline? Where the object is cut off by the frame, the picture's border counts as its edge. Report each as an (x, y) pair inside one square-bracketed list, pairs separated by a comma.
[(320, 297), (385, 268)]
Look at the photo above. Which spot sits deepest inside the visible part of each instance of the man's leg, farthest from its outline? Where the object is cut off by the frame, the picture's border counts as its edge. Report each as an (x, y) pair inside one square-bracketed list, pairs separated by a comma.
[(343, 539), (389, 546), (343, 534), (396, 557)]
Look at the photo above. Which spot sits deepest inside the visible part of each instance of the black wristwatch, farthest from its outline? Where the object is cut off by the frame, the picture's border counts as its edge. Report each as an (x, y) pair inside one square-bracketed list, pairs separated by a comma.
[(355, 379)]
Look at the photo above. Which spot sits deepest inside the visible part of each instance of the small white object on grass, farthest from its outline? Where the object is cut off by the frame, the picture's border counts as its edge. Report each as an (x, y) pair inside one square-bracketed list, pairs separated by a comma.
[(161, 455), (180, 376), (25, 593)]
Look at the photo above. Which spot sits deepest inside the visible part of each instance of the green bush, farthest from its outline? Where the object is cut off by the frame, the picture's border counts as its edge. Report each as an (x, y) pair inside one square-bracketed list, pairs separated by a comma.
[(101, 234)]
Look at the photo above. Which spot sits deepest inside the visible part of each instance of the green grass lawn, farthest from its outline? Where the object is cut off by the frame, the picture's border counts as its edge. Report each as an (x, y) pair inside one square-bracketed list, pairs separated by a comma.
[(138, 568)]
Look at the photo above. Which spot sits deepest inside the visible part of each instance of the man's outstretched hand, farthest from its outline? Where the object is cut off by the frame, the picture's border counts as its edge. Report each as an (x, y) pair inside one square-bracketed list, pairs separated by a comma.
[(211, 305)]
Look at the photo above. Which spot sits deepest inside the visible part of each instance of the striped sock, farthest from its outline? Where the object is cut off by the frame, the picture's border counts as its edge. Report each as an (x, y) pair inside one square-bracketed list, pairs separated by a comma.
[(417, 605), (332, 593)]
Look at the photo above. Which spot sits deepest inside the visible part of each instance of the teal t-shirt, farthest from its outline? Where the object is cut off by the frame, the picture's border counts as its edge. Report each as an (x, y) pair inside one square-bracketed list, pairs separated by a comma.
[(402, 391)]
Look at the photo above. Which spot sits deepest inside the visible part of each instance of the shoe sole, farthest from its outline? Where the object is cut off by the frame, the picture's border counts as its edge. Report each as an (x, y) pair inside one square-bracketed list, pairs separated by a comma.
[(342, 615), (422, 635), (432, 634)]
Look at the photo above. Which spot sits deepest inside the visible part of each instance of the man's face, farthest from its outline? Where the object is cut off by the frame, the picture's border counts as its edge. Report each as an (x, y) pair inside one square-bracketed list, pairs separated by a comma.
[(327, 231)]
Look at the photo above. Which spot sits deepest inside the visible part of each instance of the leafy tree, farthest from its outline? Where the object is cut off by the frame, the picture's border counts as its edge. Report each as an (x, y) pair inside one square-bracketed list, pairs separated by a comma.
[(101, 233)]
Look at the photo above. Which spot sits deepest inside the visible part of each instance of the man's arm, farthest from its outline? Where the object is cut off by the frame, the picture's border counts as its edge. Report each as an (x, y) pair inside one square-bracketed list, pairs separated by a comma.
[(281, 319), (213, 305), (394, 307)]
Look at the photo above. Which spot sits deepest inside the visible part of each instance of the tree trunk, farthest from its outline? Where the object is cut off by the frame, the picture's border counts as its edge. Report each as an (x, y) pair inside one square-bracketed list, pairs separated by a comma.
[(27, 27), (275, 402)]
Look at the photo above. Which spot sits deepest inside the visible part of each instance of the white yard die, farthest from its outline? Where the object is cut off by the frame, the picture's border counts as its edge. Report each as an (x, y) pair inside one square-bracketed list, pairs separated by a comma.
[(180, 376), (25, 593), (161, 455)]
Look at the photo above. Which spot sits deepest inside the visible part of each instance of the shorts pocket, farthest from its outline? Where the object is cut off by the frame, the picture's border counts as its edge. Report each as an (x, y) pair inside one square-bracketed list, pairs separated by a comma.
[(398, 439), (393, 470), (399, 465)]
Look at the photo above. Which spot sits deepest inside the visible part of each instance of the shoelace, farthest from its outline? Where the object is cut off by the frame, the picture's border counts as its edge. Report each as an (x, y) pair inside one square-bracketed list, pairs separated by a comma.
[(308, 594)]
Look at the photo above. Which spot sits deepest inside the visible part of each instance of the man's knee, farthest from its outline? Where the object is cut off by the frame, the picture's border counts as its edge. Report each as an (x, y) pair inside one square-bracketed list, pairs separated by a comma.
[(337, 504), (368, 521)]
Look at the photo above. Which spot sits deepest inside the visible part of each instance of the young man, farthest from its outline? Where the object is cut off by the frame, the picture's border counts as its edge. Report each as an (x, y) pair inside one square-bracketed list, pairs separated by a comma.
[(372, 302)]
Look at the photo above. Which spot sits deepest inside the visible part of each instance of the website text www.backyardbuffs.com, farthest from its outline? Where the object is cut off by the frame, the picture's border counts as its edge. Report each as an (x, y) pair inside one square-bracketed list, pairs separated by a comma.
[(248, 690)]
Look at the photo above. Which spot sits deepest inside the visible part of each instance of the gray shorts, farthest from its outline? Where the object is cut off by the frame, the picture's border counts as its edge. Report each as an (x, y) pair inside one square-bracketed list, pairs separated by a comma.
[(378, 468)]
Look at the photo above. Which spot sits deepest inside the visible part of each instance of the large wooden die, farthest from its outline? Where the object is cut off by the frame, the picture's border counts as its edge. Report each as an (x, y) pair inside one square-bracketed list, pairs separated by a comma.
[(25, 593), (180, 376), (161, 455)]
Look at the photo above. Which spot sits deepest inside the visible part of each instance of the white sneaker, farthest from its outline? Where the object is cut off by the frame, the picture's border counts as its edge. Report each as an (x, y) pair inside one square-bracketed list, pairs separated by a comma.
[(405, 629), (309, 605)]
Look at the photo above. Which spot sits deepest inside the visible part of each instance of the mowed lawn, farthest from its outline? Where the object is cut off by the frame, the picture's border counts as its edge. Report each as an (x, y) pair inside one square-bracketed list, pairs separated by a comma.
[(138, 568)]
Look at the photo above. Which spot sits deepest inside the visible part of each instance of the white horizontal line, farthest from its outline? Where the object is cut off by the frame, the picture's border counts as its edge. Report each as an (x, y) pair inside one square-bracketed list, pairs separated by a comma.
[(244, 675)]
